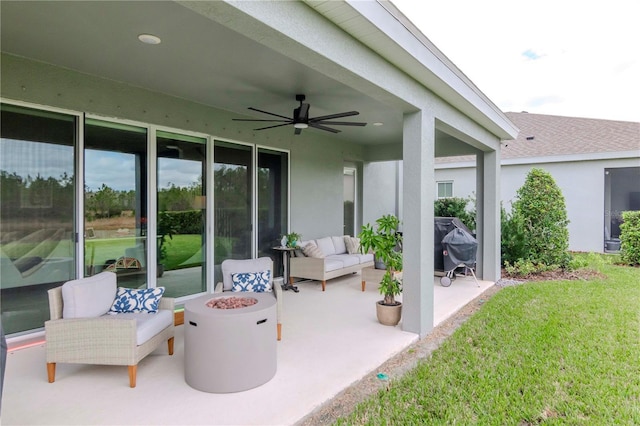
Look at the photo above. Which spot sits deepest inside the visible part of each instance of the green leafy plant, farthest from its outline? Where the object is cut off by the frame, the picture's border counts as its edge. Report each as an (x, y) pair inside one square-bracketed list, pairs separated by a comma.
[(540, 212), (166, 231), (456, 207), (292, 239), (385, 242), (630, 237)]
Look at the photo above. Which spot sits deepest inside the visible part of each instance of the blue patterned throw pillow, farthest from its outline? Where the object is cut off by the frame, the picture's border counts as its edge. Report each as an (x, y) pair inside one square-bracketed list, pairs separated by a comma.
[(135, 300), (257, 282)]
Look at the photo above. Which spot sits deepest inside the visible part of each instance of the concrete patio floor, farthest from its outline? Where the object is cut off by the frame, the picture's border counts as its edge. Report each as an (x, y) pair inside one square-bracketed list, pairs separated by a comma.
[(330, 340)]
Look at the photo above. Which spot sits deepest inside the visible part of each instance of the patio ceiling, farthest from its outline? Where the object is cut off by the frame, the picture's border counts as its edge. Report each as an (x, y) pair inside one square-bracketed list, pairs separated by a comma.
[(198, 60)]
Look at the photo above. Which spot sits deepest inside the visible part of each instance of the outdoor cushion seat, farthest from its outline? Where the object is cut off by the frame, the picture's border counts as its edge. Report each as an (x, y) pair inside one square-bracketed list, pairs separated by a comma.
[(81, 332), (333, 260), (346, 259), (331, 264), (241, 266)]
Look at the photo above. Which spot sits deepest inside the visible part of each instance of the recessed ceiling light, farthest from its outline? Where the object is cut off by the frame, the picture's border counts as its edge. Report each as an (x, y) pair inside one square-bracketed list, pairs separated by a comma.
[(149, 39), (377, 123)]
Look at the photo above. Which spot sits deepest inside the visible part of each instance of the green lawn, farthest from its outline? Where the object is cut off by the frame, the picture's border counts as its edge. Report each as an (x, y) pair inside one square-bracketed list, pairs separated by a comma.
[(557, 352)]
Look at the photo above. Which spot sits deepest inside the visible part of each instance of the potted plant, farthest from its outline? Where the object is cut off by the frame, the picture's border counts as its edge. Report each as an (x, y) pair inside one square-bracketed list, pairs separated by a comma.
[(291, 239), (385, 242)]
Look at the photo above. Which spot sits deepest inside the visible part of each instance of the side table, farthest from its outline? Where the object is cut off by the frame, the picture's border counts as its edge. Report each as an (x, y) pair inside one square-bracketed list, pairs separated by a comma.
[(375, 275), (286, 261)]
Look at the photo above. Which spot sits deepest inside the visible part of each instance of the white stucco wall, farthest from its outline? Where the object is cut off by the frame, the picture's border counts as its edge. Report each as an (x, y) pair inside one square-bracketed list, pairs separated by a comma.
[(582, 184)]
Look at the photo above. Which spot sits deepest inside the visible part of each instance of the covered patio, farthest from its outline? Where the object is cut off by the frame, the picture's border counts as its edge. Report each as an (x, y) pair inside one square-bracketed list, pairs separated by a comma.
[(330, 340), (215, 60)]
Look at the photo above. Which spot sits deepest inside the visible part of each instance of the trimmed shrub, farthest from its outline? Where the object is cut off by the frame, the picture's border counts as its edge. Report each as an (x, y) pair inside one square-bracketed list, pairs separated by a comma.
[(540, 210), (512, 238), (630, 237), (456, 207)]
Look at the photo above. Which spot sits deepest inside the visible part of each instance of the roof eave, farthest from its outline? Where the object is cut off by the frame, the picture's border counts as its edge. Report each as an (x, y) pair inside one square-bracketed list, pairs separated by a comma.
[(387, 31)]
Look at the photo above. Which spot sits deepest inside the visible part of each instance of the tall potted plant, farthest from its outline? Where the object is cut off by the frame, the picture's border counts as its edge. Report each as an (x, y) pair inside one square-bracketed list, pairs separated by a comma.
[(385, 242)]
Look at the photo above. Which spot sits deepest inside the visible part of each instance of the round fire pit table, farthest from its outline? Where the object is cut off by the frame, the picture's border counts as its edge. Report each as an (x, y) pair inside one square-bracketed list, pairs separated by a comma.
[(230, 350)]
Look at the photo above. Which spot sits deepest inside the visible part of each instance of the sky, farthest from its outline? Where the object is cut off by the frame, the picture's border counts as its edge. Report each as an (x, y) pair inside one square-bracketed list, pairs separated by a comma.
[(558, 57)]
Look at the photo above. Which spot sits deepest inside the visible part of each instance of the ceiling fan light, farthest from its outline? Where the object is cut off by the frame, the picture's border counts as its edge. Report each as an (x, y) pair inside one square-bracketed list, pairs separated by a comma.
[(300, 125)]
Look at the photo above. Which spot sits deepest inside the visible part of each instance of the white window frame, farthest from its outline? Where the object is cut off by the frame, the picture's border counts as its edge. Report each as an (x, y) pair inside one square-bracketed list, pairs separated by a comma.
[(444, 182)]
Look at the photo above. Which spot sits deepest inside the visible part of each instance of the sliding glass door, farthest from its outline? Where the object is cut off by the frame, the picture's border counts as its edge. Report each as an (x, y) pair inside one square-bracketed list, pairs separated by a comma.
[(37, 183), (232, 202), (181, 171), (235, 209), (115, 197), (273, 203)]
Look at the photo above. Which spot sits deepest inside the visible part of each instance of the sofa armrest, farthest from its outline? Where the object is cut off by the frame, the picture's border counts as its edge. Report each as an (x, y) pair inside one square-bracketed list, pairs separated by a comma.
[(91, 340), (168, 303)]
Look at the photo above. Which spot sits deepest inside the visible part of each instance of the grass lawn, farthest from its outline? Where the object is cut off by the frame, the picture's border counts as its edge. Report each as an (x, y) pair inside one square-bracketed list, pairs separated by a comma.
[(554, 352)]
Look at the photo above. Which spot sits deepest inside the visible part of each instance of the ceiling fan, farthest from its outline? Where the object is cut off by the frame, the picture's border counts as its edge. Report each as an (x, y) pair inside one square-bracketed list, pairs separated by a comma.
[(301, 119)]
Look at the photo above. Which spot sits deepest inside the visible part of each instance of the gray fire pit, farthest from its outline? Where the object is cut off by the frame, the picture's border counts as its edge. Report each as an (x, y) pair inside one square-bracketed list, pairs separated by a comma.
[(230, 350)]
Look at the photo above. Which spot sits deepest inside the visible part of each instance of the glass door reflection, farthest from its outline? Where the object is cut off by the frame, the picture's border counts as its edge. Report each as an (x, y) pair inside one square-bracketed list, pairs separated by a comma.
[(181, 213)]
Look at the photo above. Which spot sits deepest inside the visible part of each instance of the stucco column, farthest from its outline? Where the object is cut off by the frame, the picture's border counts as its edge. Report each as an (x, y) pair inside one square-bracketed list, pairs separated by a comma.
[(418, 142), (488, 206)]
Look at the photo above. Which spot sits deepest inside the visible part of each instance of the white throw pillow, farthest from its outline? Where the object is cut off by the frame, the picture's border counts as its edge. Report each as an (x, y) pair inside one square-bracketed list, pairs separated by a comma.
[(326, 245), (88, 297)]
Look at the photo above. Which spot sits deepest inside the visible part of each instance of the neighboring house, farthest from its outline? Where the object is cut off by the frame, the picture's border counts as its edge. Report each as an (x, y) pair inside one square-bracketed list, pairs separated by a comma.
[(134, 103), (596, 164)]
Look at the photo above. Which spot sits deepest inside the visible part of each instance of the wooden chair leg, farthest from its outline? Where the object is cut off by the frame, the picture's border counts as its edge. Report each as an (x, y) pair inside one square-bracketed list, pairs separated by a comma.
[(170, 344), (51, 371), (324, 283), (132, 375), (279, 328), (363, 284)]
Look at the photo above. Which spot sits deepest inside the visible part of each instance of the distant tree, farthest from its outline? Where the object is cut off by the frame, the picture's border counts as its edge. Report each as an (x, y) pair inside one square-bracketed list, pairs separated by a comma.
[(104, 200)]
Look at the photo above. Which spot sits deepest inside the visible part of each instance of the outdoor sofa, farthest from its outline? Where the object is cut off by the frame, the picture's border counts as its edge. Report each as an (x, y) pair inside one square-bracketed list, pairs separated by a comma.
[(329, 257)]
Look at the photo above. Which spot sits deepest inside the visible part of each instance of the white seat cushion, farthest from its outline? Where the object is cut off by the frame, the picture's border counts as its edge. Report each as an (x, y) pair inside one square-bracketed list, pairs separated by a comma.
[(346, 259), (88, 297), (332, 265), (147, 325)]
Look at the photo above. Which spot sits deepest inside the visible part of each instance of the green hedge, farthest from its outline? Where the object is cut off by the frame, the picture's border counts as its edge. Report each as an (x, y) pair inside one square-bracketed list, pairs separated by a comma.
[(630, 237), (183, 222)]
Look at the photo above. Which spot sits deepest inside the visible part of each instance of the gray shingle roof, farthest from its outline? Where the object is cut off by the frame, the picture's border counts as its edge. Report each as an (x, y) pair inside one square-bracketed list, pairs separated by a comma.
[(557, 135)]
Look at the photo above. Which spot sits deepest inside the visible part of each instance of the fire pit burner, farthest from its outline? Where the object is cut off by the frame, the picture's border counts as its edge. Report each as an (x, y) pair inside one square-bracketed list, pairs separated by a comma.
[(232, 302)]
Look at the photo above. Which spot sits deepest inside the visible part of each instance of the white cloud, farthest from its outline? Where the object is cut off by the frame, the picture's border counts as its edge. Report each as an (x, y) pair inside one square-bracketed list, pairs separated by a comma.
[(568, 57)]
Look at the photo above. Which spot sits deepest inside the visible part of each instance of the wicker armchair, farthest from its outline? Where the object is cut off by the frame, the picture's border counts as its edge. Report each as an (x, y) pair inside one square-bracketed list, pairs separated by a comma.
[(104, 339), (233, 266)]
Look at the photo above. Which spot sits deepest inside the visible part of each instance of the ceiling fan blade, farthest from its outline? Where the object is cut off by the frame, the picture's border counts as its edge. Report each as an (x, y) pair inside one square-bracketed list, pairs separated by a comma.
[(252, 119), (270, 113), (321, 127), (277, 125), (331, 116), (297, 131), (341, 123)]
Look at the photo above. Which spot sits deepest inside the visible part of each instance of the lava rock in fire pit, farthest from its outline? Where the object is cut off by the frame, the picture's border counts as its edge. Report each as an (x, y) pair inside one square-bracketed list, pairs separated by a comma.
[(231, 302)]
